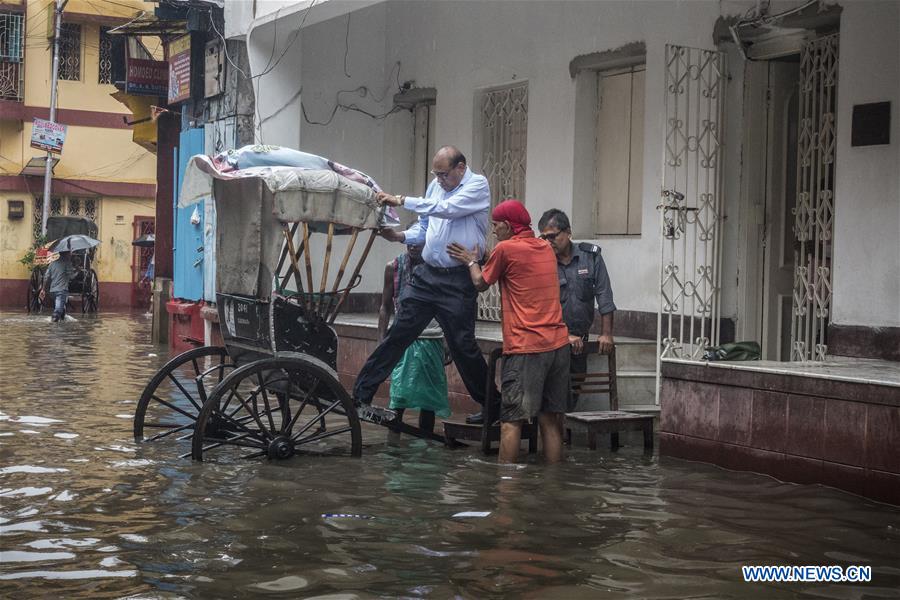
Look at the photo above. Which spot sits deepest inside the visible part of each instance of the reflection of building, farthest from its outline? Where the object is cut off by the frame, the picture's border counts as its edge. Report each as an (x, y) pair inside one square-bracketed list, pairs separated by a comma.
[(101, 174), (772, 126)]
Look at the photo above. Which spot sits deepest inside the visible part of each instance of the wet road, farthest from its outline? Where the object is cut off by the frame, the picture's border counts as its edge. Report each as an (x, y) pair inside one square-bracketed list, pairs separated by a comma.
[(87, 513)]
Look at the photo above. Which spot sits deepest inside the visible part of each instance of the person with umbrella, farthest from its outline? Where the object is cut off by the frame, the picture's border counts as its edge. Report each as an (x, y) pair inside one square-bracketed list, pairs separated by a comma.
[(61, 271), (56, 282)]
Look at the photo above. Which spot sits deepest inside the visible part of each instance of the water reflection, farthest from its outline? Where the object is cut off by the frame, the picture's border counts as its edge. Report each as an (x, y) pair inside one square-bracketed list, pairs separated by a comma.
[(86, 513)]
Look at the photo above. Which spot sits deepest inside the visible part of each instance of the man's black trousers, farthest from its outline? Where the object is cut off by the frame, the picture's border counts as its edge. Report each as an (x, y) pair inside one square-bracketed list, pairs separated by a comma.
[(448, 296)]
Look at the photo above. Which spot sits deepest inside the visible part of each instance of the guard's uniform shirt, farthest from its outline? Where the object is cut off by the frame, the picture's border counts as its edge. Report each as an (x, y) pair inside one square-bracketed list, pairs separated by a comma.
[(580, 282)]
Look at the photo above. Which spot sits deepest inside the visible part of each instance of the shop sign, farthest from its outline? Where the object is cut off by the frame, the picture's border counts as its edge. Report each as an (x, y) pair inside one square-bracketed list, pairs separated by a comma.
[(180, 69), (48, 136), (146, 77)]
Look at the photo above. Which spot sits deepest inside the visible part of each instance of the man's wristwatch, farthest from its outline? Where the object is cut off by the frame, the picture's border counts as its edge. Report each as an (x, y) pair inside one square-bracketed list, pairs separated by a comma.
[(470, 263), (401, 200)]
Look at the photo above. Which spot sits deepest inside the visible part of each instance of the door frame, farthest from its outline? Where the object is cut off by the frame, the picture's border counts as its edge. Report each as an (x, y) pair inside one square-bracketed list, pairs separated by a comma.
[(751, 212)]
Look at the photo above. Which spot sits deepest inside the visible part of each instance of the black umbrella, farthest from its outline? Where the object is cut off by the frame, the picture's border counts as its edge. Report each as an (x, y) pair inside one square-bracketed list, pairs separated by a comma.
[(71, 243), (145, 241)]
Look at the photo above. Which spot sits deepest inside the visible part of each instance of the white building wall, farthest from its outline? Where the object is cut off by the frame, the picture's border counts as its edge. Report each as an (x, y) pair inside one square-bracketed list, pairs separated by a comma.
[(867, 179), (461, 48), (239, 14)]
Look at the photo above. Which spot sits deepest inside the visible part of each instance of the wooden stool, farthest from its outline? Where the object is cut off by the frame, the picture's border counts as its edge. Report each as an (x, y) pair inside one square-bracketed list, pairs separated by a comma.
[(610, 421)]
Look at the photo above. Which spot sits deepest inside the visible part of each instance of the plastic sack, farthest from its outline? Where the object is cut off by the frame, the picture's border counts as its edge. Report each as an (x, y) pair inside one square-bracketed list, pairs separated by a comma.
[(733, 351), (419, 381)]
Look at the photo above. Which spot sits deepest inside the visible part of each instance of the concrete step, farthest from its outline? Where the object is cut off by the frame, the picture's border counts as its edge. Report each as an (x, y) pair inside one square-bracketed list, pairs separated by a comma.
[(631, 355), (636, 388), (635, 355)]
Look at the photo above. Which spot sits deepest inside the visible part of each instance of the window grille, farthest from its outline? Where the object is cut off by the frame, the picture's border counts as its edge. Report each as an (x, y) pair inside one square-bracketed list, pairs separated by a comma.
[(11, 56), (504, 131), (75, 206), (105, 75), (70, 52), (91, 209), (37, 216), (80, 207)]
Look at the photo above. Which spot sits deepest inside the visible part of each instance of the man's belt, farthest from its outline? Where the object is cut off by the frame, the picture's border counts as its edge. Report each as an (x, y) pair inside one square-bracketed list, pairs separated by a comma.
[(447, 269)]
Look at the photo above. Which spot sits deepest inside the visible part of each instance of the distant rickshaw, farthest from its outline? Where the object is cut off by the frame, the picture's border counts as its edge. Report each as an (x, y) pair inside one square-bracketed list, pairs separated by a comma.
[(85, 286)]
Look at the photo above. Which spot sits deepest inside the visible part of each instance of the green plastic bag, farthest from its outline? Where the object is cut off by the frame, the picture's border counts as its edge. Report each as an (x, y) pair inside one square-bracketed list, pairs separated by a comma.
[(733, 351), (419, 381)]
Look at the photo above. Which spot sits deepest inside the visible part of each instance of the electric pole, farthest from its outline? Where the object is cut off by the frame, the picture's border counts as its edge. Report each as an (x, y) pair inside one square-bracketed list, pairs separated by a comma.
[(54, 79)]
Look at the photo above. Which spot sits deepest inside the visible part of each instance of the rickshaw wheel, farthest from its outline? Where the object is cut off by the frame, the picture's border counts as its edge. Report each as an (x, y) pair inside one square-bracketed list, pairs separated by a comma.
[(33, 301), (174, 396), (90, 295), (278, 407)]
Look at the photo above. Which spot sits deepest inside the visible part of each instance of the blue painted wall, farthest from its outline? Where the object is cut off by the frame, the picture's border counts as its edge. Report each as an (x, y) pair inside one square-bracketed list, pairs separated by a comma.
[(188, 237)]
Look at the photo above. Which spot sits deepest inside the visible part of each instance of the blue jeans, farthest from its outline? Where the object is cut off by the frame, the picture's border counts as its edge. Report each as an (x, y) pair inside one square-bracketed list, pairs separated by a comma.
[(59, 305)]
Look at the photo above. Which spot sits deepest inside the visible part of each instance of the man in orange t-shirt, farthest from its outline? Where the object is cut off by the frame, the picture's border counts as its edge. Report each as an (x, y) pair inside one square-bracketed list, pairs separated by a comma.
[(535, 372)]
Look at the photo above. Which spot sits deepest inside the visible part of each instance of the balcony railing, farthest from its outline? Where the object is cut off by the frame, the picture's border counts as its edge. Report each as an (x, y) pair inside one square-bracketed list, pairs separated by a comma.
[(12, 56)]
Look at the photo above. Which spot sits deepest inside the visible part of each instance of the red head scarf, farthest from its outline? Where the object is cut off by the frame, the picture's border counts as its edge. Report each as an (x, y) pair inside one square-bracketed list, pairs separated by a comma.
[(514, 213)]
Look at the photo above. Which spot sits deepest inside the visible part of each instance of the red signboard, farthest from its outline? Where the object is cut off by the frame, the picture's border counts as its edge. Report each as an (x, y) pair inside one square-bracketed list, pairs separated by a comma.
[(146, 77), (180, 69)]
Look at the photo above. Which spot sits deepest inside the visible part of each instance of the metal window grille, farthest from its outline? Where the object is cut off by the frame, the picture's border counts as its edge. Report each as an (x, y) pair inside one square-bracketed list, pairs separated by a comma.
[(504, 123), (12, 71), (691, 207), (74, 206), (105, 75), (70, 52), (82, 207), (92, 209), (814, 212), (37, 217)]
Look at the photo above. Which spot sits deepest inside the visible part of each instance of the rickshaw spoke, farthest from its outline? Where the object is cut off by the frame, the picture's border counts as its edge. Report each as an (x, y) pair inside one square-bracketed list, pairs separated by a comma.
[(185, 392), (255, 413), (175, 408), (319, 418), (235, 441), (168, 390), (221, 367), (241, 426), (265, 397), (323, 435), (303, 404), (166, 433), (241, 412), (254, 455)]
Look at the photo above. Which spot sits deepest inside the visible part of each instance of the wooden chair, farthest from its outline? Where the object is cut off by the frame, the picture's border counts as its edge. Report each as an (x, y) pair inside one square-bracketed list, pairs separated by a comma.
[(612, 421)]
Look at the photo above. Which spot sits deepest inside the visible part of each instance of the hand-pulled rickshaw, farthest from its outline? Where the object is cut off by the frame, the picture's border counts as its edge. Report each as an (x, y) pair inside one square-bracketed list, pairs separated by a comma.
[(85, 284), (272, 390)]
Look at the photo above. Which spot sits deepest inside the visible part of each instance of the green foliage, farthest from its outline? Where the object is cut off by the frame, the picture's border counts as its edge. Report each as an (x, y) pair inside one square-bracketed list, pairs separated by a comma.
[(28, 259)]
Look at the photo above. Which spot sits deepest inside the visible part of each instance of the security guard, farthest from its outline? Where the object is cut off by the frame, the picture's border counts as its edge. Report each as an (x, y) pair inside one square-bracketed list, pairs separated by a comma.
[(582, 278)]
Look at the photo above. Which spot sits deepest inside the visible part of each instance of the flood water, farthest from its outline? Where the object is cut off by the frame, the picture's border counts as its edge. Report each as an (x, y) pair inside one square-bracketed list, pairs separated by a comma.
[(87, 513)]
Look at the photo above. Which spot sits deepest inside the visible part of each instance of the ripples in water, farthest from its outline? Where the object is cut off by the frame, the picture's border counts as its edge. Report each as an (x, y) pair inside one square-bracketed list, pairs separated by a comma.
[(86, 513)]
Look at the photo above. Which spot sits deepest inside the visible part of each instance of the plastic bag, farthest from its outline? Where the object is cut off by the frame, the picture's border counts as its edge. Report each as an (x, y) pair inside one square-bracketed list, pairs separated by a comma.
[(419, 381), (733, 351)]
